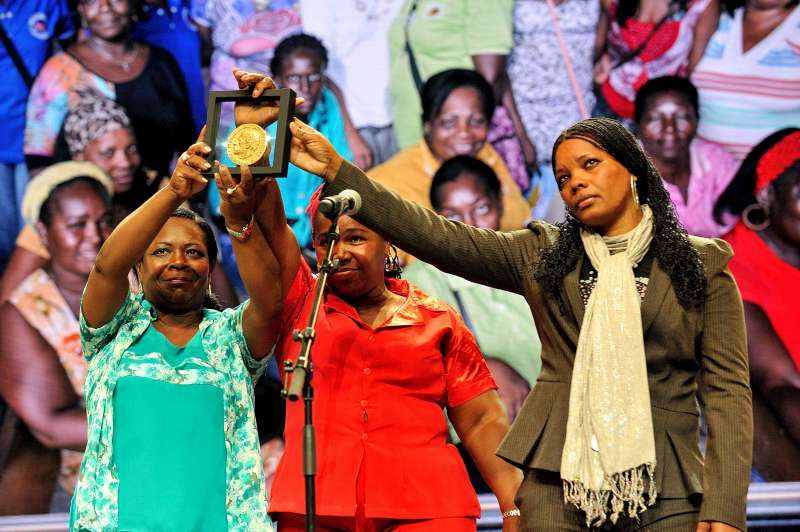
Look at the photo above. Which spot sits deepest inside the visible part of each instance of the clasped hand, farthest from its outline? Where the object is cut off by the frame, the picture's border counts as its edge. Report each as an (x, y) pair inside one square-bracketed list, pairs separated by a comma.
[(238, 200), (261, 112)]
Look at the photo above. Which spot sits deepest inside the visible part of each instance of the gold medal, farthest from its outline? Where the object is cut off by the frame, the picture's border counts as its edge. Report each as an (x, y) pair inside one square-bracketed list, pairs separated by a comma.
[(247, 144)]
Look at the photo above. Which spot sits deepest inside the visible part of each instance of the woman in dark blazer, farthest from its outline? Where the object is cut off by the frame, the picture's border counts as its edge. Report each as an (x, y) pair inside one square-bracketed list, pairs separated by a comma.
[(632, 458)]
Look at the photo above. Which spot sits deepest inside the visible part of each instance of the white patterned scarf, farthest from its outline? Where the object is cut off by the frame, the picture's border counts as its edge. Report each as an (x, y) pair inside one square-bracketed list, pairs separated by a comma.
[(609, 456)]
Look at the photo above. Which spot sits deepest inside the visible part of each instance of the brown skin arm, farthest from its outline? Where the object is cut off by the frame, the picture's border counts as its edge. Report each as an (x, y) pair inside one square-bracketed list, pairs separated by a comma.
[(257, 264), (703, 31), (773, 373), (482, 423), (35, 386), (271, 219), (493, 68), (269, 213), (20, 266), (108, 280)]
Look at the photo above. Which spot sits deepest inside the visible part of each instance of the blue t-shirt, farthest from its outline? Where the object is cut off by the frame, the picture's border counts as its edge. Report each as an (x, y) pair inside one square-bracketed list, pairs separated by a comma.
[(31, 25), (169, 28)]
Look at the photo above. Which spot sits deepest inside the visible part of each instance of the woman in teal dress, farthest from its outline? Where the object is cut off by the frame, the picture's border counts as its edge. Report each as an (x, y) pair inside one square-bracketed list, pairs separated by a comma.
[(172, 441)]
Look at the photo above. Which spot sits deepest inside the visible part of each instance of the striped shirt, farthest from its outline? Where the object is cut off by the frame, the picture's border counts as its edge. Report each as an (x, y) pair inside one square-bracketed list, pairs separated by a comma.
[(745, 96)]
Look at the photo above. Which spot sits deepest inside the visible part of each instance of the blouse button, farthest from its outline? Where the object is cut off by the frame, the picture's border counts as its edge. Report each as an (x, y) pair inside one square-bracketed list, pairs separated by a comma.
[(364, 436), (371, 337), (367, 371), (364, 403)]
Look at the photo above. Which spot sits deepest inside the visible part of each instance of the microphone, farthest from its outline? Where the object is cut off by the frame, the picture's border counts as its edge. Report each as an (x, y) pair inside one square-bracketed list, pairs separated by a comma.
[(346, 202)]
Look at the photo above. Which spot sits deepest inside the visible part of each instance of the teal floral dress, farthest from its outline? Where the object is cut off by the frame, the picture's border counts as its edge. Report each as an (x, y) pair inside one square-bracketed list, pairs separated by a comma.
[(228, 366)]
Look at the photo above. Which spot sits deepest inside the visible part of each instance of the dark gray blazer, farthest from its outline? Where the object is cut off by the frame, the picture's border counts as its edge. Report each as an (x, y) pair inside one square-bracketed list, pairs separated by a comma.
[(685, 350)]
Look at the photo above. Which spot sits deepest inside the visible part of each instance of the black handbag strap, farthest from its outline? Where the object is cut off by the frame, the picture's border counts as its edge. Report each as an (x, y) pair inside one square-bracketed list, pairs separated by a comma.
[(411, 60), (15, 57)]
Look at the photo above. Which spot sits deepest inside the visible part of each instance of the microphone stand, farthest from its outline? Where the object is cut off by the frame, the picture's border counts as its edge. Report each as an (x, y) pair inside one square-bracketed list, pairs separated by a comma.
[(302, 371)]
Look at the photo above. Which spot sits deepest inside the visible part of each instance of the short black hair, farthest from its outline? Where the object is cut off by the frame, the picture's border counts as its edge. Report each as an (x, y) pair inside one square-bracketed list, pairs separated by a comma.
[(461, 165), (47, 209), (740, 192), (439, 86), (293, 43), (657, 86)]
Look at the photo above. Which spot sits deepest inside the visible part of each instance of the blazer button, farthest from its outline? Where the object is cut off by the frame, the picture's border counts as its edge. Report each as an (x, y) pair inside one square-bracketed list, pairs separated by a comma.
[(367, 371)]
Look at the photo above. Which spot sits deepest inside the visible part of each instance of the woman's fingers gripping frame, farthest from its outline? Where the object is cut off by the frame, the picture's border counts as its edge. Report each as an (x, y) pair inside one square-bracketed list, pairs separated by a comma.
[(194, 156), (259, 83)]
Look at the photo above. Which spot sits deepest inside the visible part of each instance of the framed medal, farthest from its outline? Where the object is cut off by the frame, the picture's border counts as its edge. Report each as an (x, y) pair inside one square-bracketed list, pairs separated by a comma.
[(266, 151)]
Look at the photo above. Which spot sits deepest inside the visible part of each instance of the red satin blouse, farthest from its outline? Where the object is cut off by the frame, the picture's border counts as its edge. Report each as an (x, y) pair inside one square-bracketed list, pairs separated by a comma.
[(379, 398)]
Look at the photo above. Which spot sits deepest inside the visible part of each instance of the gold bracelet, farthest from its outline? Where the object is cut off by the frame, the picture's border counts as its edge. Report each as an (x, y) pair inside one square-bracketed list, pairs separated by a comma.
[(514, 512)]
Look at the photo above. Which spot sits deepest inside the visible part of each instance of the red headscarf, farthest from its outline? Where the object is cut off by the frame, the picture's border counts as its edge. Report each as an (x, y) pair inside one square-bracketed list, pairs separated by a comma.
[(777, 159)]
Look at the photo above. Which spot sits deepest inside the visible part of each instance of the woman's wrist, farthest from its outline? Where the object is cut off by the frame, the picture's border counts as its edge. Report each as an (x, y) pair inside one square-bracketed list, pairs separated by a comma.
[(240, 230)]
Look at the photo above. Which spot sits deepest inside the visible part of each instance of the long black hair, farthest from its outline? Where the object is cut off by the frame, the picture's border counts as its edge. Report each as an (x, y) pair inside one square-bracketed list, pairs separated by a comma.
[(740, 192), (670, 244)]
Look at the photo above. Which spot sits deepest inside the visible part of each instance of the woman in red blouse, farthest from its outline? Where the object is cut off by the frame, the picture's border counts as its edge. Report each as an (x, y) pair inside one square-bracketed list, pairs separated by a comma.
[(388, 360)]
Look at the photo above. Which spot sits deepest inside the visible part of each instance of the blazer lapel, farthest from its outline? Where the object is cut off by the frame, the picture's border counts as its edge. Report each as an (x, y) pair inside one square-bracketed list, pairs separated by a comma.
[(572, 287), (657, 287)]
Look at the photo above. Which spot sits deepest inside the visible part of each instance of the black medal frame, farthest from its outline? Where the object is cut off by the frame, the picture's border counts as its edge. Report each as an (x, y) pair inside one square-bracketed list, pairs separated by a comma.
[(282, 141)]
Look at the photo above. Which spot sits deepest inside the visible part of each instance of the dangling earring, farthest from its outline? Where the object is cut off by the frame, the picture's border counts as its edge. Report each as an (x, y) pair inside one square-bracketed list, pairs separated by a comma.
[(635, 192), (391, 264), (762, 213)]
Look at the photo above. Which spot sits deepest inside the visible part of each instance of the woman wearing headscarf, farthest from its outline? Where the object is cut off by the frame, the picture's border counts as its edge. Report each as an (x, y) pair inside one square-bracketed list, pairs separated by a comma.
[(636, 320), (146, 81), (97, 130), (766, 194), (41, 362)]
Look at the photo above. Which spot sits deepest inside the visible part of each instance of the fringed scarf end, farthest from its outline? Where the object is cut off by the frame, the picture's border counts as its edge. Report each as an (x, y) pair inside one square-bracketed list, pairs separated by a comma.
[(625, 493)]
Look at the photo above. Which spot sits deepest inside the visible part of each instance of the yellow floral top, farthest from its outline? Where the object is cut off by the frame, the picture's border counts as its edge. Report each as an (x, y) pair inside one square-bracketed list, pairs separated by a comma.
[(230, 367)]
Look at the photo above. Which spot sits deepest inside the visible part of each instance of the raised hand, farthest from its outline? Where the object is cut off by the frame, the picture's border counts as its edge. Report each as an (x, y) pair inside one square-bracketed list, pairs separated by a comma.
[(261, 112), (312, 152), (238, 201), (186, 179)]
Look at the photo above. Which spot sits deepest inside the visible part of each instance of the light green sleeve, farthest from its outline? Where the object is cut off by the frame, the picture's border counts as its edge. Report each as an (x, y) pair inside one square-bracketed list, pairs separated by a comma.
[(488, 26)]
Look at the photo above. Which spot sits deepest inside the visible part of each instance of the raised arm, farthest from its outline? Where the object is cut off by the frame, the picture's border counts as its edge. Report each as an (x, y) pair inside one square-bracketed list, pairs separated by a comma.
[(498, 259), (271, 219), (108, 280), (269, 213), (257, 264)]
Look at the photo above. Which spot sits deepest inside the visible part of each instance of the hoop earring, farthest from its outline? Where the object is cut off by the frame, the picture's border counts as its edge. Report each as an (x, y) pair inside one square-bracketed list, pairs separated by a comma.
[(391, 263), (634, 190), (750, 224)]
